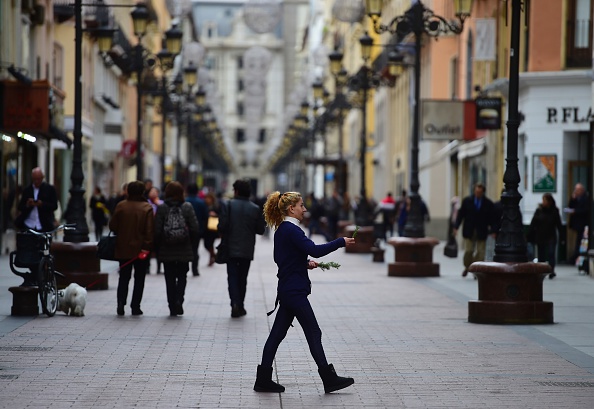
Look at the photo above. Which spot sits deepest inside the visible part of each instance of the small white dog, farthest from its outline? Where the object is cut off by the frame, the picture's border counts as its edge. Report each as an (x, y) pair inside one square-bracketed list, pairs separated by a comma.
[(72, 300)]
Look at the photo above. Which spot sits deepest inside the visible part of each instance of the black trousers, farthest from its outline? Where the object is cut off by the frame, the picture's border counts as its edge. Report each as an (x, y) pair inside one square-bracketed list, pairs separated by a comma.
[(237, 272), (140, 270), (300, 308), (175, 282)]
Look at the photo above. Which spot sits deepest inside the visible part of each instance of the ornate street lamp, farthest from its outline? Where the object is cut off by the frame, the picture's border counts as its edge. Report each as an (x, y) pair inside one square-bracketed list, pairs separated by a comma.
[(418, 20)]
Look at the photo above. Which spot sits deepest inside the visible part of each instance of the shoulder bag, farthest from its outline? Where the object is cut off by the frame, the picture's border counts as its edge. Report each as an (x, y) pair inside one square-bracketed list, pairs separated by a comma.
[(106, 247)]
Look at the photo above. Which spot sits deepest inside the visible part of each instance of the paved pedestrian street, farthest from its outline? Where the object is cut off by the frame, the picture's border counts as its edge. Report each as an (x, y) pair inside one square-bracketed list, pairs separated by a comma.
[(406, 342)]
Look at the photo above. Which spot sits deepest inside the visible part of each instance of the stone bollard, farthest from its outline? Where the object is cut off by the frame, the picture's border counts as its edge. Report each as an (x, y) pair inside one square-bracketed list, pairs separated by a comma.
[(413, 257), (363, 240), (378, 254), (510, 293), (24, 301)]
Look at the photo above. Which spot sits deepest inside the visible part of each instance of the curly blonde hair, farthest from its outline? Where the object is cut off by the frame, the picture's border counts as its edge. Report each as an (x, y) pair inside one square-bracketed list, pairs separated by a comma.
[(277, 205)]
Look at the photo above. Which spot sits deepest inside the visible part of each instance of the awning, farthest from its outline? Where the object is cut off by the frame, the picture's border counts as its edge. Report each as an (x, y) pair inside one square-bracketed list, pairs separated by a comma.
[(59, 134), (471, 149)]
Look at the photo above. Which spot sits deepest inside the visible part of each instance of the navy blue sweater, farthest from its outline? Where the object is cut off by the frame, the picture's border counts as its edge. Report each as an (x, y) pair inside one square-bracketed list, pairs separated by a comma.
[(291, 250)]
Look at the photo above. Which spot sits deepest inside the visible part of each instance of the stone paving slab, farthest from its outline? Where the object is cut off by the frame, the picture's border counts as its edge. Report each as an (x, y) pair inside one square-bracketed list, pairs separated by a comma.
[(406, 342)]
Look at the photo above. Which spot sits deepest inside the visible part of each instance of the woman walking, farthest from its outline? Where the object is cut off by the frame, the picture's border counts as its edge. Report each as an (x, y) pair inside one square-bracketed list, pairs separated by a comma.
[(291, 248), (173, 245), (545, 225)]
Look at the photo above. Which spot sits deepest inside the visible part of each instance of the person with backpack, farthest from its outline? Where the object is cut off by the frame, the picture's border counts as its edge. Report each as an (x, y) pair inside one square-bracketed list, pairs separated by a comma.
[(176, 234)]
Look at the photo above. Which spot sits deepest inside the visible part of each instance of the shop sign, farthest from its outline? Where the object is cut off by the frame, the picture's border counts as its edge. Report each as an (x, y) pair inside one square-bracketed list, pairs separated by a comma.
[(445, 120), (128, 148), (25, 108), (488, 113), (567, 115)]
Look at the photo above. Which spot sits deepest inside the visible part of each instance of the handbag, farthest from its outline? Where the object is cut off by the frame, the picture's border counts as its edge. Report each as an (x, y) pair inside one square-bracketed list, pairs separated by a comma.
[(106, 247), (222, 256), (451, 248), (213, 223)]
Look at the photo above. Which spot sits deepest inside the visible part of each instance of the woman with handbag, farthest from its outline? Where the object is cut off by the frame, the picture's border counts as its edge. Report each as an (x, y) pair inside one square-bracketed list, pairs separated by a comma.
[(291, 250)]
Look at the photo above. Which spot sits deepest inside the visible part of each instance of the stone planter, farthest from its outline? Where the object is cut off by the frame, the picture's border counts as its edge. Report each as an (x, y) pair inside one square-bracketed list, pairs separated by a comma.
[(413, 257), (510, 293)]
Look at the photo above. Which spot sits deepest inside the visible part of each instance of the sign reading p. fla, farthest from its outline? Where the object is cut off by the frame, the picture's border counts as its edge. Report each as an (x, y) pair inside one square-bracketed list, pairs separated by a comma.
[(488, 113)]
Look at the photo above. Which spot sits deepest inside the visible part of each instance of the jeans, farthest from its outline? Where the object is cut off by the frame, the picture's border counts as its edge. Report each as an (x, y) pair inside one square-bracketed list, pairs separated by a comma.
[(140, 270), (237, 272), (175, 282), (300, 308)]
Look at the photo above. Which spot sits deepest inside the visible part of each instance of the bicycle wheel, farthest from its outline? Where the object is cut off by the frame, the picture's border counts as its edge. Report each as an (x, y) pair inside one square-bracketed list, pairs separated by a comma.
[(48, 287)]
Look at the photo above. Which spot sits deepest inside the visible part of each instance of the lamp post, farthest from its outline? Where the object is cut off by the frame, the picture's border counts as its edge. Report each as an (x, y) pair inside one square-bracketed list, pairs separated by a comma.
[(75, 212), (510, 245), (140, 18), (418, 21)]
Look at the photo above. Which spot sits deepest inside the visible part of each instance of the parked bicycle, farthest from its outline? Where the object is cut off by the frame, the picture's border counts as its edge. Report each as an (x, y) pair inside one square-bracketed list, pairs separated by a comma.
[(33, 252)]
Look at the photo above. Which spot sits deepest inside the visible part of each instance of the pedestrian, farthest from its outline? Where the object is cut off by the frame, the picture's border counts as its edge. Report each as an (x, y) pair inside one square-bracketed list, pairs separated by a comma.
[(201, 212), (37, 205), (154, 200), (211, 234), (404, 211), (316, 212), (477, 213), (133, 223), (148, 185), (388, 210), (176, 235), (332, 209), (240, 221), (578, 210), (117, 198), (99, 212), (544, 226), (291, 250)]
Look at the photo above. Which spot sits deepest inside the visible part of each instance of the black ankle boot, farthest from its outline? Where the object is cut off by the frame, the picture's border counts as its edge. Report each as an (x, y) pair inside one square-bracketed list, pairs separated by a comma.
[(264, 382), (333, 382)]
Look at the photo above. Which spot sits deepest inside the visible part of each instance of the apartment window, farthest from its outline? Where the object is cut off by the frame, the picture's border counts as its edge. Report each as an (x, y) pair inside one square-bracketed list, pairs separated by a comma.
[(579, 34), (239, 62), (239, 135), (262, 136), (58, 66), (240, 109), (240, 85)]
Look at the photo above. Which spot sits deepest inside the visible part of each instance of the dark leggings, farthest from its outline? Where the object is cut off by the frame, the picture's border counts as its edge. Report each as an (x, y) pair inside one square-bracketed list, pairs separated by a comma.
[(300, 308)]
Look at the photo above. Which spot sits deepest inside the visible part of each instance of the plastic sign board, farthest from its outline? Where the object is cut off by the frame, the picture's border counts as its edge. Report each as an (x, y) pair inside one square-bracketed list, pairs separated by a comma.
[(446, 120)]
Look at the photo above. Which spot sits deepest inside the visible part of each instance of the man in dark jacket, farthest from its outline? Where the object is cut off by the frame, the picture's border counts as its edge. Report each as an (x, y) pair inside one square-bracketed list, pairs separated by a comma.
[(477, 213), (578, 209), (240, 221), (38, 203)]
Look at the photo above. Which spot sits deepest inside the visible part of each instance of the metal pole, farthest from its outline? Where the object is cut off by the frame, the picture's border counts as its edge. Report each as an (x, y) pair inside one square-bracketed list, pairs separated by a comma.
[(163, 127), (139, 66), (414, 223), (511, 243), (177, 151), (75, 211), (363, 205)]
